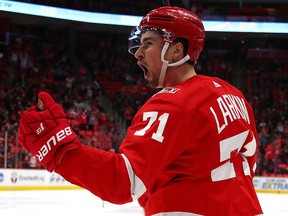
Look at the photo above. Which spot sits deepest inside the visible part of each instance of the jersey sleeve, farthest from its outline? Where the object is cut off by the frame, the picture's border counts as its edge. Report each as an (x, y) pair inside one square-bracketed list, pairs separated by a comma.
[(102, 173)]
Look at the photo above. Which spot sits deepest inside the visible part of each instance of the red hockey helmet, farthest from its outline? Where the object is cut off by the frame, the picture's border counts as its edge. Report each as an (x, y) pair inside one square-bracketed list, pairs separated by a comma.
[(174, 22)]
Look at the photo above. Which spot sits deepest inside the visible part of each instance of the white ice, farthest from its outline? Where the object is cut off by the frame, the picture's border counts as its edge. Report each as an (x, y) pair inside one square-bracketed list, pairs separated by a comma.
[(83, 203)]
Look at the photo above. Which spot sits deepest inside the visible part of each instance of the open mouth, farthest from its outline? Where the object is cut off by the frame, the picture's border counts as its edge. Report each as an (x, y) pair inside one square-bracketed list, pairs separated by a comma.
[(144, 68)]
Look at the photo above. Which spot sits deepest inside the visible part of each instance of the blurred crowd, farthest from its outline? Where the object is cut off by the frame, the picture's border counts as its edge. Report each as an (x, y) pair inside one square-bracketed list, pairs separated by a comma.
[(100, 86), (266, 85)]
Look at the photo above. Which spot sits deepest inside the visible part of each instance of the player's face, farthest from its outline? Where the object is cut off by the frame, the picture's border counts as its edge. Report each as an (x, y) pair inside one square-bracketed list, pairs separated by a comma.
[(149, 56)]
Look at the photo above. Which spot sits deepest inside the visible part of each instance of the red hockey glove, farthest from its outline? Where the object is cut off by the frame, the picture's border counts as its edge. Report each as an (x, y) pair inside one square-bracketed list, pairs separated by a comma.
[(46, 133)]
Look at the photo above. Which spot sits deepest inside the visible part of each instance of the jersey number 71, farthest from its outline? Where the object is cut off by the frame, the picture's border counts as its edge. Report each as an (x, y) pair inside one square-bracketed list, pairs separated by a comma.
[(153, 116)]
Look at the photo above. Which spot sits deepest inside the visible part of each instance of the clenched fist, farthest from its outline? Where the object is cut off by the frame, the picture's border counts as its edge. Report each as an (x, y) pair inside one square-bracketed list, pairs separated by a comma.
[(46, 132)]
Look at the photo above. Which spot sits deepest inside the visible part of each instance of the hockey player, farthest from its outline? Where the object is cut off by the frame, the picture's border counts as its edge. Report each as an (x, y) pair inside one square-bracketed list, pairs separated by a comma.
[(190, 149)]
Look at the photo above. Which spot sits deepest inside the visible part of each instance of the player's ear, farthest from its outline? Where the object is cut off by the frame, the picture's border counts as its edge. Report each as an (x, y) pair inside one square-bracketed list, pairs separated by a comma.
[(177, 51)]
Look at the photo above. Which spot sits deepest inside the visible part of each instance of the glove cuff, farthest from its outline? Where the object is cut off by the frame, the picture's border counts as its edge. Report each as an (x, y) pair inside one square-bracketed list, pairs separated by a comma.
[(52, 164)]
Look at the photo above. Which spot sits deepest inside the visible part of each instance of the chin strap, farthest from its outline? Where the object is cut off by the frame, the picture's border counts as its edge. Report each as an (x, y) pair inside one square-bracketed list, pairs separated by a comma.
[(166, 64)]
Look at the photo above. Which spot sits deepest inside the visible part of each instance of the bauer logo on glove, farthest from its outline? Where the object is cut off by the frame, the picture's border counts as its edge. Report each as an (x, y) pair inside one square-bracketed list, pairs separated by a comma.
[(53, 141), (46, 132)]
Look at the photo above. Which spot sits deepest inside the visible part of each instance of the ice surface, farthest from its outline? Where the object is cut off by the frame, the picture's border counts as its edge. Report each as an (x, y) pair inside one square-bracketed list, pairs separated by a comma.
[(83, 203)]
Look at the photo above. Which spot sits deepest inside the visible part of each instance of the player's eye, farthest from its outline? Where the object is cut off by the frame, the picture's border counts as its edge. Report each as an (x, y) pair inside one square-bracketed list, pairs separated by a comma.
[(146, 45)]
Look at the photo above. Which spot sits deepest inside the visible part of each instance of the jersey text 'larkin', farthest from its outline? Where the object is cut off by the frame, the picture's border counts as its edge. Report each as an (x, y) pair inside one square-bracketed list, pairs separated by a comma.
[(229, 108)]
